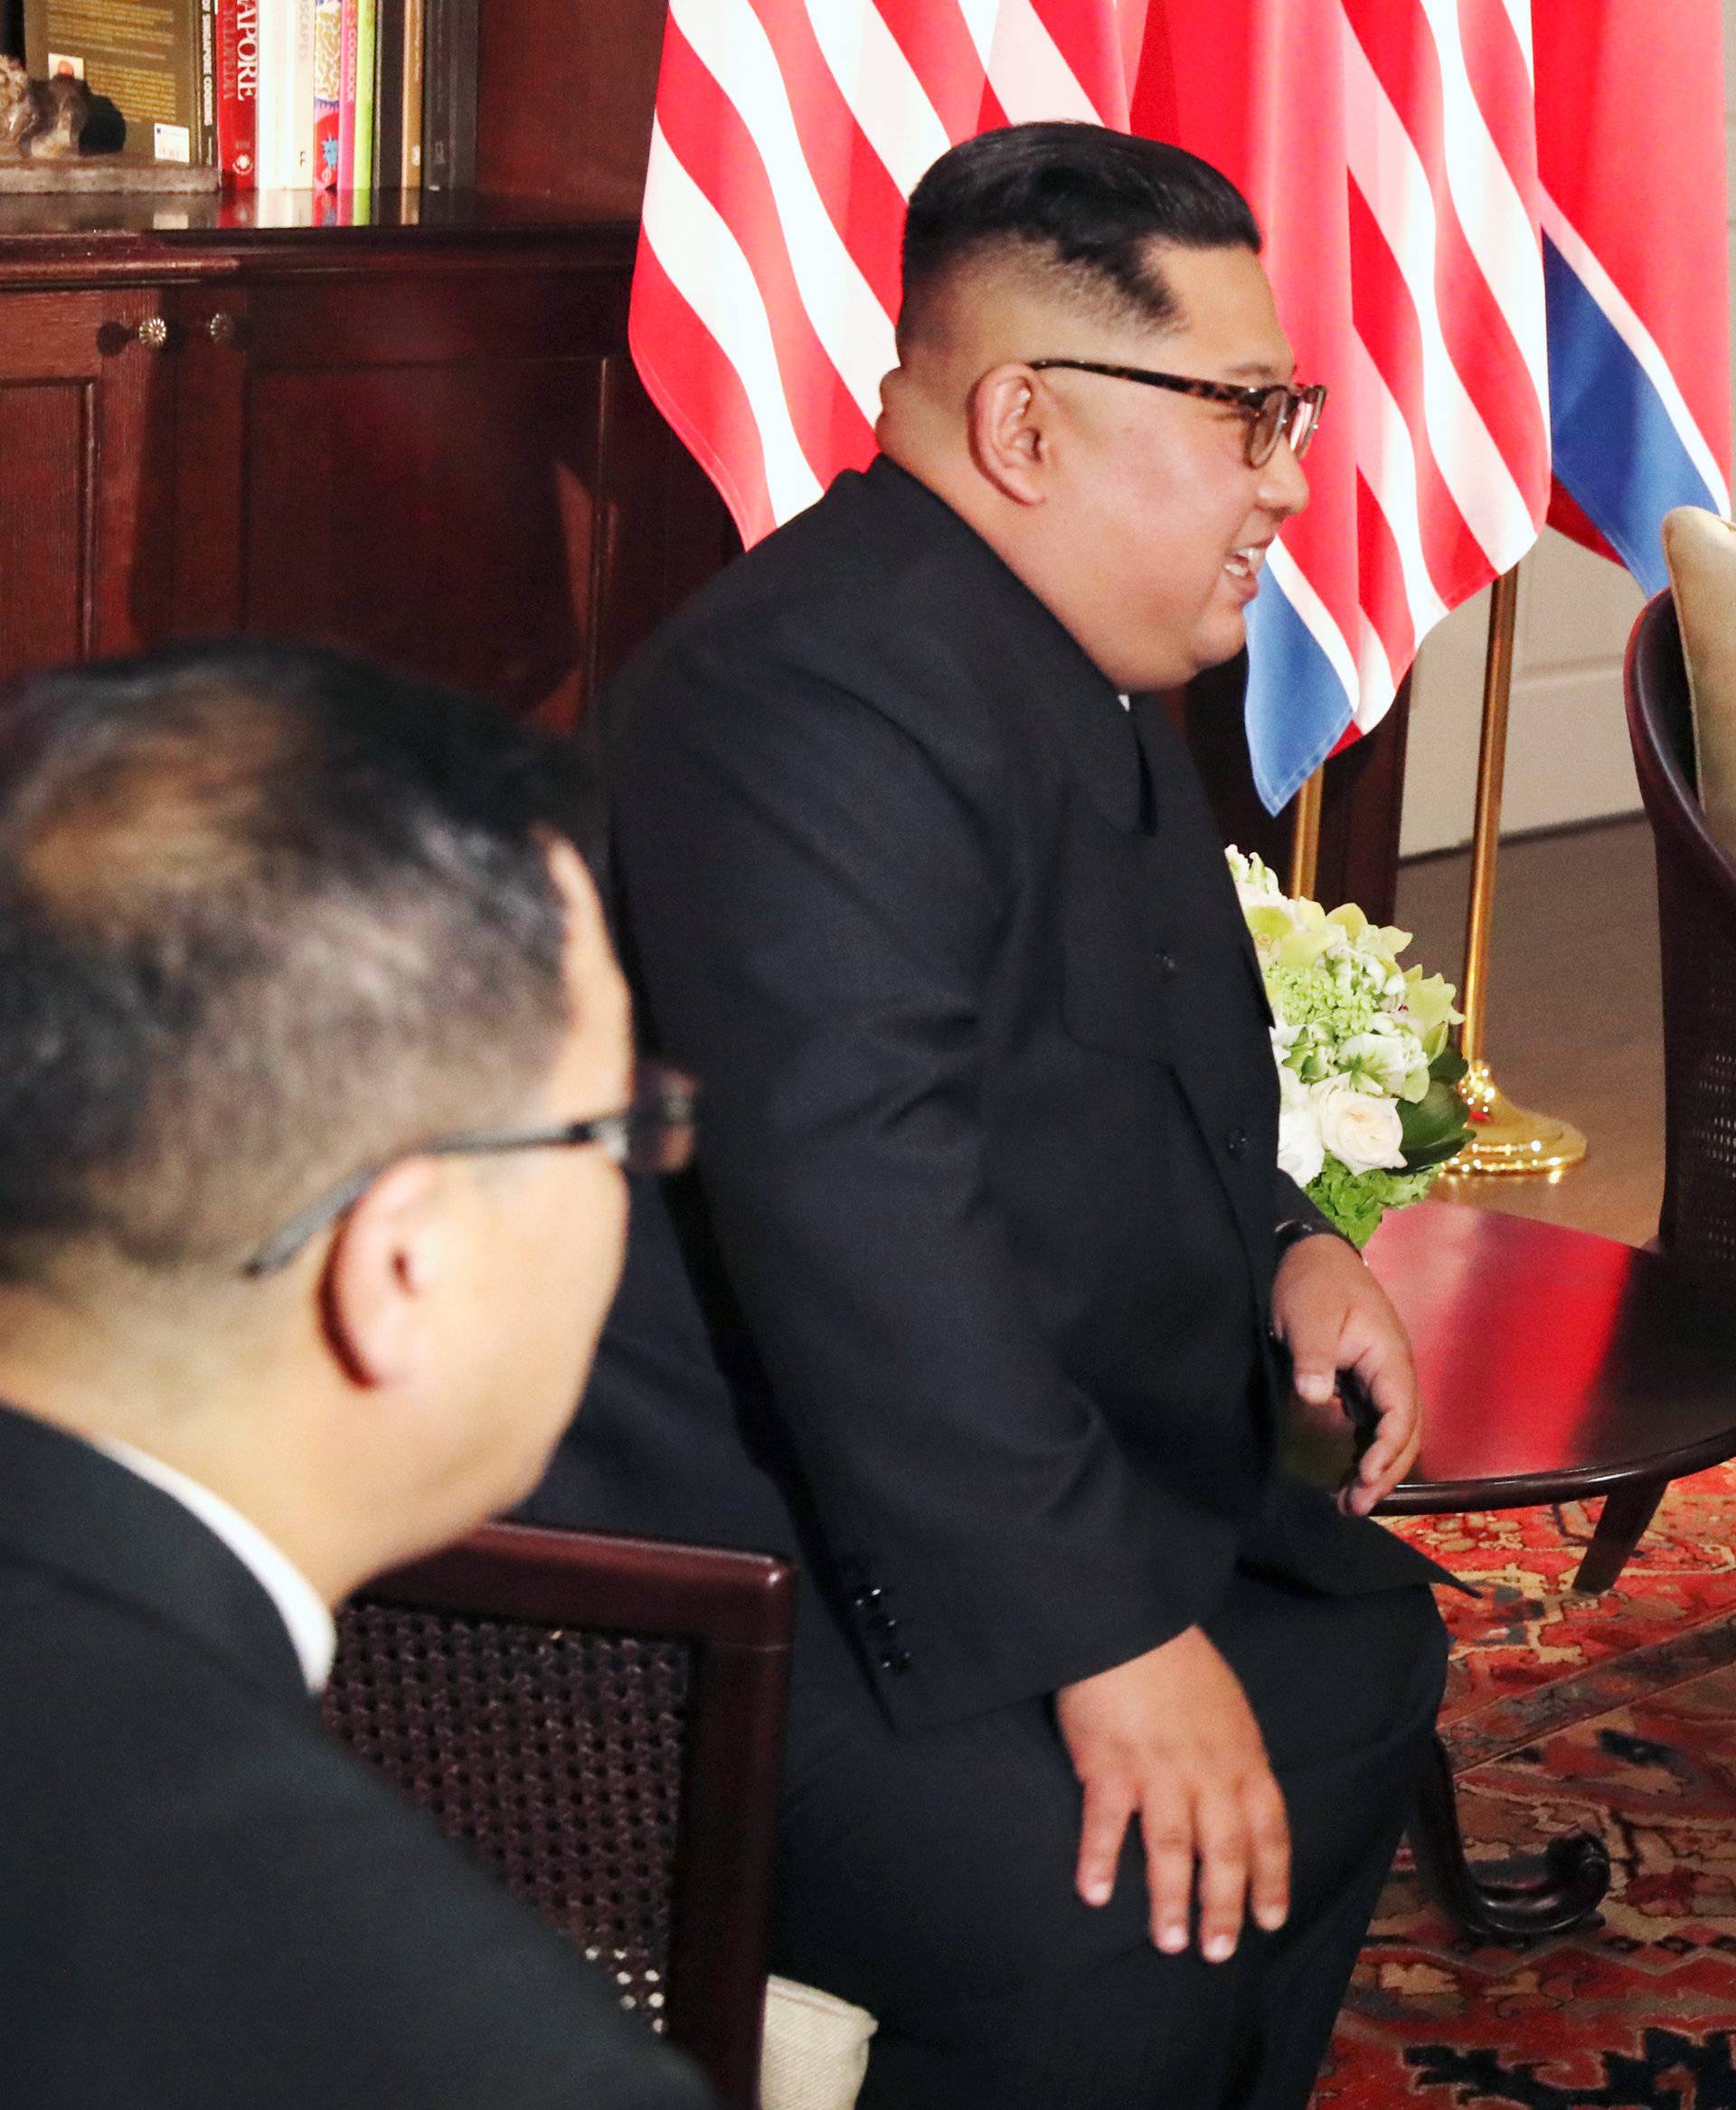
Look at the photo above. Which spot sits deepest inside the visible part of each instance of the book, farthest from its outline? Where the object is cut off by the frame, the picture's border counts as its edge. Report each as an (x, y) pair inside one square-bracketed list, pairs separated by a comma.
[(346, 101), (238, 87), (270, 120), (328, 91), (367, 37), (450, 96), (300, 128), (465, 31), (437, 89), (410, 164), (155, 64), (208, 80), (388, 94)]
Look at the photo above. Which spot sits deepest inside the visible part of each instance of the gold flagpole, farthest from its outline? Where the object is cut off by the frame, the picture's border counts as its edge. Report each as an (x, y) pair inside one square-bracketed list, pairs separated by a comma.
[(1304, 842), (1504, 1138)]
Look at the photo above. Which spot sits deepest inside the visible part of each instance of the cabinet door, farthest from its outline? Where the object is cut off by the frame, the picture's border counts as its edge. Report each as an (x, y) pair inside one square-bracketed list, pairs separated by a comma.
[(450, 467), (87, 422)]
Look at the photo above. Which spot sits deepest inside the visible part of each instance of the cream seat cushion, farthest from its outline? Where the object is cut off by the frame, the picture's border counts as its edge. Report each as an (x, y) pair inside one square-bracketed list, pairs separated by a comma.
[(1700, 550), (816, 2051)]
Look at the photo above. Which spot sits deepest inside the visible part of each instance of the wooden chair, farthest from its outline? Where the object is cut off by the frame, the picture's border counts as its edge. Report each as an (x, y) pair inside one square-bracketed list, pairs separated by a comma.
[(603, 1719), (1697, 913)]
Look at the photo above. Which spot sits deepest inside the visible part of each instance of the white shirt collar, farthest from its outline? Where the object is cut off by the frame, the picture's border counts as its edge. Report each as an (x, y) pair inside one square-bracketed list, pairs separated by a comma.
[(302, 1609), (1125, 701)]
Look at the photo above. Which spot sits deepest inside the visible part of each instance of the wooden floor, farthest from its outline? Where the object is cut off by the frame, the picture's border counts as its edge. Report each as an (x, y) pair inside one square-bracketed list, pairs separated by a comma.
[(1573, 1020)]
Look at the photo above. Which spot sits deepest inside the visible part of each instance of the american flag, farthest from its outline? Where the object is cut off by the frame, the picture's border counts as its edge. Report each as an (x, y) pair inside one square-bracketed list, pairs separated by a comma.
[(1424, 267)]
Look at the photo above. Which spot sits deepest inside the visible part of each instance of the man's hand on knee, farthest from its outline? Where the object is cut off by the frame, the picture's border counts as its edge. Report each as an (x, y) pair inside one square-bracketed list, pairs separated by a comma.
[(1170, 1738)]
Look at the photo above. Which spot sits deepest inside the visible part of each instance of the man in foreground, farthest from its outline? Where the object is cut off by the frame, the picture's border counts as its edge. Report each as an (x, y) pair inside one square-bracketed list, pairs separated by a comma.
[(1102, 1735), (276, 934)]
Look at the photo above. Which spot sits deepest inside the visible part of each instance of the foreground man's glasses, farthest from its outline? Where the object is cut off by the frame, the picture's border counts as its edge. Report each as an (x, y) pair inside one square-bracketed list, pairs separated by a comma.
[(654, 1134), (1273, 413)]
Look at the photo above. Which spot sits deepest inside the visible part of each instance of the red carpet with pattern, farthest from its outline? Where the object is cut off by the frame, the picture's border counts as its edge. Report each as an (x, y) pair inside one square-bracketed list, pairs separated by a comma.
[(1613, 1714)]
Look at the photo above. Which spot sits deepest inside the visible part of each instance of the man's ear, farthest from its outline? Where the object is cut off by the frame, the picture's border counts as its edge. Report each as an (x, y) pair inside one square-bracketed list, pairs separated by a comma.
[(1009, 441), (384, 1271)]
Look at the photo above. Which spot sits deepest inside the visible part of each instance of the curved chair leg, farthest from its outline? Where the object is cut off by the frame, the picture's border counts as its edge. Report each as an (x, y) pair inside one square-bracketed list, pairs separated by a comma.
[(1575, 1875)]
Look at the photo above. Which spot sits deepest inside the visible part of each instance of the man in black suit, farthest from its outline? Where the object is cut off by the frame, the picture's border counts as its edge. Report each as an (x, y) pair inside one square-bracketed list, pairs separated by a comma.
[(988, 1231), (277, 935)]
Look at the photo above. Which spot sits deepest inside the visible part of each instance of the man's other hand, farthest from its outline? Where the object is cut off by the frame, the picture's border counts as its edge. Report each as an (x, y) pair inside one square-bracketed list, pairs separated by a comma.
[(1332, 1315), (1169, 1737)]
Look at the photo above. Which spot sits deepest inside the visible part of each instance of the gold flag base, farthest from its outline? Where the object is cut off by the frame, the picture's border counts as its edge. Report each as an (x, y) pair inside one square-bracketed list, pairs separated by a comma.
[(1506, 1138)]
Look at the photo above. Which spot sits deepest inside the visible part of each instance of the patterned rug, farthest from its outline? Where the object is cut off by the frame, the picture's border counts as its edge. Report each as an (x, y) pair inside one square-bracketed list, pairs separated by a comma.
[(1613, 1714)]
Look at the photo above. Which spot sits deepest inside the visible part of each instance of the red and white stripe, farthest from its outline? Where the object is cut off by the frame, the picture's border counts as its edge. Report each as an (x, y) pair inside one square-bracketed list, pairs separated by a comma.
[(789, 135), (1387, 147)]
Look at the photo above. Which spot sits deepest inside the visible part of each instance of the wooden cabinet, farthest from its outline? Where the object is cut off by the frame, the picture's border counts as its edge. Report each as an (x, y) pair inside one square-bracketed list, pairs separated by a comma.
[(84, 537), (425, 443)]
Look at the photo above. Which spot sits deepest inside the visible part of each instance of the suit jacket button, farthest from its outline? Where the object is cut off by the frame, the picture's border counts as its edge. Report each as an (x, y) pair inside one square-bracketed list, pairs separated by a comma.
[(1236, 1142), (1165, 964), (894, 1659)]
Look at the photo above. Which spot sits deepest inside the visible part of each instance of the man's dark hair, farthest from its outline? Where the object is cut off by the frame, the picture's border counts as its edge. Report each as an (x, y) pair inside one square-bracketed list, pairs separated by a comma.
[(268, 915), (1077, 201)]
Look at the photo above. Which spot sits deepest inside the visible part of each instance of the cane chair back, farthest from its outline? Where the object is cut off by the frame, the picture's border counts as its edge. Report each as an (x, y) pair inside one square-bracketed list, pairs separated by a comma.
[(1696, 911), (601, 1719)]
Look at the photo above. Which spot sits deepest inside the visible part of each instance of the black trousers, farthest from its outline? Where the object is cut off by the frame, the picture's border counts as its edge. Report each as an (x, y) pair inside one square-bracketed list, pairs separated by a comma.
[(929, 1878)]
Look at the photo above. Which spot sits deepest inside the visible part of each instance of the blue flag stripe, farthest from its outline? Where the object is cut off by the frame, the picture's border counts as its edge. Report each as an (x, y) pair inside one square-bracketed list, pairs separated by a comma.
[(1296, 708), (1616, 448)]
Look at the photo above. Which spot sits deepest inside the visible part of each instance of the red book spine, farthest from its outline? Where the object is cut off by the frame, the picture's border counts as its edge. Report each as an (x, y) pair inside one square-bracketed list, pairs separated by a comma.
[(328, 88), (237, 88), (346, 104)]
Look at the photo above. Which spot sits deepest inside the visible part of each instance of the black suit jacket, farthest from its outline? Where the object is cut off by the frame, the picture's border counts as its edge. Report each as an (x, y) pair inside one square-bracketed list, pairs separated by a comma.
[(987, 1173), (205, 1902)]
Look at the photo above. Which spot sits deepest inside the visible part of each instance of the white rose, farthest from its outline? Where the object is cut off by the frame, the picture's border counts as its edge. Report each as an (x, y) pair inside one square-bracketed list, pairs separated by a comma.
[(1362, 1130), (1300, 1152), (1384, 1057)]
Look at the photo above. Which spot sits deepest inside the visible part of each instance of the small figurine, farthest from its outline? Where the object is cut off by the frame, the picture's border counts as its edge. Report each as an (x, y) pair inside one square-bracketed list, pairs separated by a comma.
[(40, 120)]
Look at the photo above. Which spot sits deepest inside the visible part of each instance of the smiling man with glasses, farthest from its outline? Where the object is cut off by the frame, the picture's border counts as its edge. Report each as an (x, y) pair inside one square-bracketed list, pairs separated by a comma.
[(1102, 1732), (316, 1100)]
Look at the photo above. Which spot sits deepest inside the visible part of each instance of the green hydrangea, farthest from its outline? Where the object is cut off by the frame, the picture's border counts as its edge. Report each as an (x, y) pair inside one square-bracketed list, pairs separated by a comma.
[(1354, 1202), (1326, 1008)]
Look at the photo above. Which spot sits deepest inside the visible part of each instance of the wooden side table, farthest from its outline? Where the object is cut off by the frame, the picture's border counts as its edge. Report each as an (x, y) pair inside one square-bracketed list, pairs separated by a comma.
[(1555, 1366)]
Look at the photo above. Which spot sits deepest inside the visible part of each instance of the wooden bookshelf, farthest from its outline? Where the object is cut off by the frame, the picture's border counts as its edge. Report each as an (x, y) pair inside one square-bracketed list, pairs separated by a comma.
[(421, 438)]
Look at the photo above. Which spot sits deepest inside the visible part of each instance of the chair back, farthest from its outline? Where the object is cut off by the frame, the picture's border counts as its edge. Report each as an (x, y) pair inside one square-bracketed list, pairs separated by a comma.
[(601, 1719), (1696, 909)]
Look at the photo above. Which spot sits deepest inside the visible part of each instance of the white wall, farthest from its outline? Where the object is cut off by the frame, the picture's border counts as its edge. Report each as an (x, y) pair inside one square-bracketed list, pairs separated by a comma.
[(1567, 746)]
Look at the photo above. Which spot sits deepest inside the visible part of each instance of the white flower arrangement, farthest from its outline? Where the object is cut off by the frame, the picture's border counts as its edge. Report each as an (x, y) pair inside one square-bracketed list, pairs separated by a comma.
[(1368, 1112)]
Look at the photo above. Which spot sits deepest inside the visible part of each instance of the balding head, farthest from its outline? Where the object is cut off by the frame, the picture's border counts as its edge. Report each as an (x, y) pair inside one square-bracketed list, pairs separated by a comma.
[(265, 916)]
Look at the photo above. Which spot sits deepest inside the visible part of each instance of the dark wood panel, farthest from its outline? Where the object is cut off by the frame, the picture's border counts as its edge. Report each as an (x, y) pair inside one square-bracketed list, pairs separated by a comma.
[(441, 518), (44, 504), (666, 529), (206, 484), (434, 316), (85, 415), (564, 100), (1360, 808)]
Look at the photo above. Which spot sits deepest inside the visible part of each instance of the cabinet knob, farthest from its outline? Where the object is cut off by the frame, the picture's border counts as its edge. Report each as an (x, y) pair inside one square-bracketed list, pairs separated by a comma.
[(153, 333), (222, 329)]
